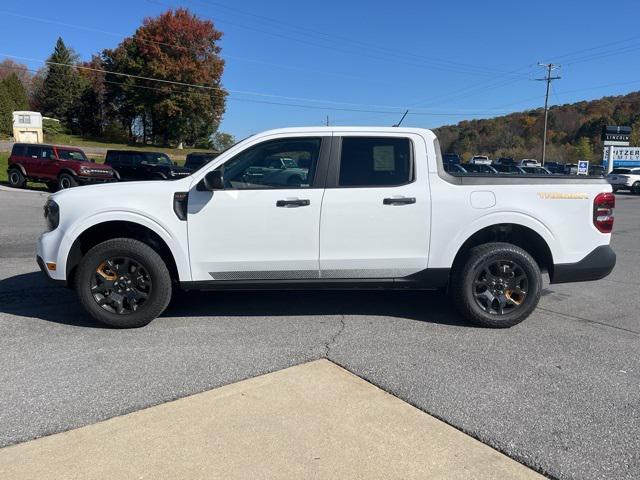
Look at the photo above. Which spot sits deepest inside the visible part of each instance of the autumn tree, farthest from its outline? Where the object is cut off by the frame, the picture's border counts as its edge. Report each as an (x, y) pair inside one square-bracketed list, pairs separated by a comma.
[(635, 133), (179, 49)]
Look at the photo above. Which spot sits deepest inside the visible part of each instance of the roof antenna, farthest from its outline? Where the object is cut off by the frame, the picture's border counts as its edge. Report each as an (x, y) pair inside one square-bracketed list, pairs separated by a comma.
[(405, 114)]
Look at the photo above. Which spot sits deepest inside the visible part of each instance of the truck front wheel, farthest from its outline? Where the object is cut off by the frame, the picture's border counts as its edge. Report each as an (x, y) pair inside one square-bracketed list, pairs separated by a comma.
[(16, 178), (123, 283), (497, 285), (65, 181)]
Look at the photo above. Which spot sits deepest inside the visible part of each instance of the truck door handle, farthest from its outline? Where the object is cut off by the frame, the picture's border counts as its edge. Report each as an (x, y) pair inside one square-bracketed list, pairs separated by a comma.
[(294, 202), (399, 201)]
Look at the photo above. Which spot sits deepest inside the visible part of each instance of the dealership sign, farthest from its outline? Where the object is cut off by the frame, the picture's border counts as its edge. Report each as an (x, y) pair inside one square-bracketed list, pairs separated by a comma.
[(623, 156), (616, 135)]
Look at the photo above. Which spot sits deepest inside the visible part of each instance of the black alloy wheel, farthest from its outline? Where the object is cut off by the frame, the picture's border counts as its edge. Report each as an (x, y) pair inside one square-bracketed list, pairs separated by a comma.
[(500, 286), (496, 285), (121, 285)]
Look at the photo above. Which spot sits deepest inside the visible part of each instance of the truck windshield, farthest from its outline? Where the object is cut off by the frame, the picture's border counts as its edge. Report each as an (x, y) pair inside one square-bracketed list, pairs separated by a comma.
[(157, 159), (72, 155)]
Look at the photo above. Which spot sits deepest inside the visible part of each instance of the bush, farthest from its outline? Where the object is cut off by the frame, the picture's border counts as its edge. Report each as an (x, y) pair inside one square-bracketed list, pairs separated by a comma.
[(52, 127)]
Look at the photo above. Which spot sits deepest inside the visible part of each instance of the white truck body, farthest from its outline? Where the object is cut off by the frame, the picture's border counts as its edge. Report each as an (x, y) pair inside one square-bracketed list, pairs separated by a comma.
[(379, 235)]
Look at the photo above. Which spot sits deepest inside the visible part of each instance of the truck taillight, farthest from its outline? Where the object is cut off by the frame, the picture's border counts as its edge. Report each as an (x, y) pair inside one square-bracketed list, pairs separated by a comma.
[(603, 206)]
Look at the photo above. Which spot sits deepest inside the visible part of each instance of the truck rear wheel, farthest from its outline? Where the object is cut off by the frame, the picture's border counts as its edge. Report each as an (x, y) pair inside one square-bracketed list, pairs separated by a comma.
[(497, 285), (123, 283), (16, 178)]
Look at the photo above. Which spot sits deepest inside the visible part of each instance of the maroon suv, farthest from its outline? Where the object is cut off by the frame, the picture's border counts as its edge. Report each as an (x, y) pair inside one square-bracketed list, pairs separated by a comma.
[(58, 167)]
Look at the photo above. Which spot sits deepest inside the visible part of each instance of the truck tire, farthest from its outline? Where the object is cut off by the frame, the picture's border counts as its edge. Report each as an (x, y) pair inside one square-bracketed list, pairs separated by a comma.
[(123, 283), (66, 180), (497, 285), (16, 178)]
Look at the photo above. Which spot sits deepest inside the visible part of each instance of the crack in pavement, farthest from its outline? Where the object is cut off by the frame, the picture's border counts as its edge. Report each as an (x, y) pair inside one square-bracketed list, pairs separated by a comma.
[(334, 337), (587, 320)]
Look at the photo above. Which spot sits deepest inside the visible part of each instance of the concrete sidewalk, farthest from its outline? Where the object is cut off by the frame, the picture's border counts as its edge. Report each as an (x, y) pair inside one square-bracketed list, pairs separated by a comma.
[(314, 420)]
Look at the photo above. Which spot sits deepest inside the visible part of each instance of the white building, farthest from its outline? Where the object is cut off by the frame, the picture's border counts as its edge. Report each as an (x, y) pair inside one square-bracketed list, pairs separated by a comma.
[(27, 127)]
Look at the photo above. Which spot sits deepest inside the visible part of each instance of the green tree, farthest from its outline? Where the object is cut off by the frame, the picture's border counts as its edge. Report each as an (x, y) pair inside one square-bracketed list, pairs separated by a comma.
[(16, 91), (6, 120), (221, 140), (62, 86), (179, 47), (583, 149)]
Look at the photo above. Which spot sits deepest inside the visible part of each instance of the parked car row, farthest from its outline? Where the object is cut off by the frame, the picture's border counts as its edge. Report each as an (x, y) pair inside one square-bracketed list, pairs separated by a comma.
[(66, 167), (507, 165)]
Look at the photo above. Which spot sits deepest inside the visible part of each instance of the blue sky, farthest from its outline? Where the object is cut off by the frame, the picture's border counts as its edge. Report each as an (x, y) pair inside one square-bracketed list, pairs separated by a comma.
[(362, 62)]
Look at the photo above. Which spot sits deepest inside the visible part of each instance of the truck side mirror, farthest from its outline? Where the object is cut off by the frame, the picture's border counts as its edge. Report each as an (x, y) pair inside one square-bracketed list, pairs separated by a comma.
[(213, 180)]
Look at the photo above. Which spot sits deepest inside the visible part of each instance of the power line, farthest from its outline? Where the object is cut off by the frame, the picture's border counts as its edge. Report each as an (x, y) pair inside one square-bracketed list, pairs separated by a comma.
[(139, 37), (340, 39), (192, 85), (548, 78)]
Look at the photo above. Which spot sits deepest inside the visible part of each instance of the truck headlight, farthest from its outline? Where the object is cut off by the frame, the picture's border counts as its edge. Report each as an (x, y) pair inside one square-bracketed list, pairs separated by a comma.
[(52, 214)]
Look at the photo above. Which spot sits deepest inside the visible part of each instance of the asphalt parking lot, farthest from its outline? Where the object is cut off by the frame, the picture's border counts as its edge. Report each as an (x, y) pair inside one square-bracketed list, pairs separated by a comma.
[(559, 392)]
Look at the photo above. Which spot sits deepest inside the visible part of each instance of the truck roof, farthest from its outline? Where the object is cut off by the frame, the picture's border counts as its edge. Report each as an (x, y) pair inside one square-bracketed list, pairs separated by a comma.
[(340, 129)]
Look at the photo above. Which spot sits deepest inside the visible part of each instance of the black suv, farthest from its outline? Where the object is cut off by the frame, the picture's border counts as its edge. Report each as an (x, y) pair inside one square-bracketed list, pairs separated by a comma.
[(135, 165), (198, 159)]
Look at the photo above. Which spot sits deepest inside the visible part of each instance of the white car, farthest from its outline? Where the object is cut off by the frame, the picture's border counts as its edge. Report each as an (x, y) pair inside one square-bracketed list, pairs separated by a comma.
[(625, 179), (480, 160), (529, 162), (377, 210)]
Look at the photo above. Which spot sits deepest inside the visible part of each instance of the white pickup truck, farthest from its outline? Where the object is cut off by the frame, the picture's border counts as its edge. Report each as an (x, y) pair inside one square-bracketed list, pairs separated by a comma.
[(374, 209)]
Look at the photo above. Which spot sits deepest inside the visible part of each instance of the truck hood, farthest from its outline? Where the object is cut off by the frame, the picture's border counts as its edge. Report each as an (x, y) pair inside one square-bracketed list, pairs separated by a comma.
[(120, 193)]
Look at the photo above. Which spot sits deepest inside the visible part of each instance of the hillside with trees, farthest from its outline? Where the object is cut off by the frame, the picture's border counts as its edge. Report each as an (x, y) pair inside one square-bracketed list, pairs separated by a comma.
[(573, 133)]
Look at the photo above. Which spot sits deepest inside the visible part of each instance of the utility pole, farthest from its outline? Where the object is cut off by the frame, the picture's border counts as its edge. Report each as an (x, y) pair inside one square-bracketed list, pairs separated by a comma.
[(327, 120), (548, 78)]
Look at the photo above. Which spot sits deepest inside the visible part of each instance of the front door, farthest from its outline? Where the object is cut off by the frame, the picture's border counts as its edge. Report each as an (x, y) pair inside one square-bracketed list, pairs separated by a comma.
[(264, 225), (376, 208)]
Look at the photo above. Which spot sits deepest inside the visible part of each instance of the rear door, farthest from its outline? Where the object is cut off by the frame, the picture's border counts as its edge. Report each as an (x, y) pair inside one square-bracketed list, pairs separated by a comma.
[(126, 165), (34, 161), (376, 209)]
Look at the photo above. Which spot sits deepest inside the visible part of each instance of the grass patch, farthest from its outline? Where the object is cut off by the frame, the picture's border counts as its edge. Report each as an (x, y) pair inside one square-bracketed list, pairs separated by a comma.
[(77, 141), (4, 158)]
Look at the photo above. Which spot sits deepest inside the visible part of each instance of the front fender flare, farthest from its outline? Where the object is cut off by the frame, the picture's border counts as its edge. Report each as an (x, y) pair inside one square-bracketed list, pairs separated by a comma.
[(179, 252)]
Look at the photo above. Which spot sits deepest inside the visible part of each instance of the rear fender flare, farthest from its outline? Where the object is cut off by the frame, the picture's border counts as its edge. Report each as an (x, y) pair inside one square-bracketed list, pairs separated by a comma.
[(17, 166)]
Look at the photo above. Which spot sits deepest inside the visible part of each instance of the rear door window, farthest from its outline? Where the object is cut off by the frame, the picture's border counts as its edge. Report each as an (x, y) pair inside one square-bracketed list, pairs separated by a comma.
[(47, 153), (33, 151), (125, 159), (375, 162)]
